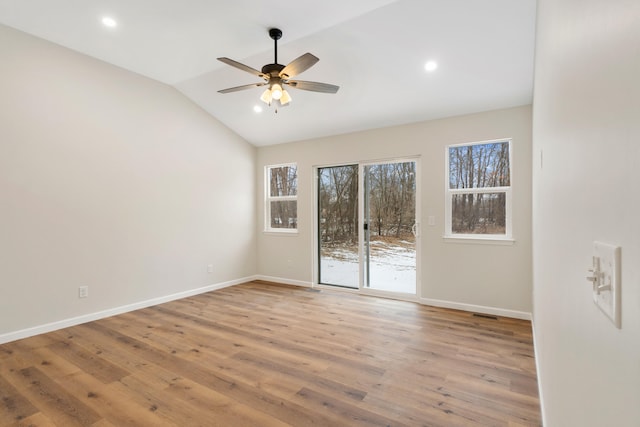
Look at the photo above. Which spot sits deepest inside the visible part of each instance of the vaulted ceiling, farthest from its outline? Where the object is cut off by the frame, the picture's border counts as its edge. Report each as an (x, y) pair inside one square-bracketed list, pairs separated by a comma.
[(375, 50)]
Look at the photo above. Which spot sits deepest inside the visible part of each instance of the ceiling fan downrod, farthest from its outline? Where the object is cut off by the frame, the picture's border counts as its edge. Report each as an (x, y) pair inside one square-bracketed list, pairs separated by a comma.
[(275, 34)]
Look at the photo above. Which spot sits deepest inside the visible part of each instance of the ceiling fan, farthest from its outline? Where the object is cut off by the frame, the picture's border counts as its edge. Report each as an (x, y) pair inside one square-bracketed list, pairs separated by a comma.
[(277, 76)]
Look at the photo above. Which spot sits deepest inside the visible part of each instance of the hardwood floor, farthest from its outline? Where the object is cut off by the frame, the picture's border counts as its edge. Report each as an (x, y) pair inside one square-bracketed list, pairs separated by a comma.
[(270, 355)]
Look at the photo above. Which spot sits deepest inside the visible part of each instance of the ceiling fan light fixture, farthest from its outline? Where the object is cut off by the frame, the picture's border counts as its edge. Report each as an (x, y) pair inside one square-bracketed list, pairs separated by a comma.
[(276, 91), (266, 96), (285, 99)]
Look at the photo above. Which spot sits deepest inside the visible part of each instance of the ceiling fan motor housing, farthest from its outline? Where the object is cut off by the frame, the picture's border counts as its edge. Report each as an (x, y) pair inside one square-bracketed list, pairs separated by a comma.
[(272, 70)]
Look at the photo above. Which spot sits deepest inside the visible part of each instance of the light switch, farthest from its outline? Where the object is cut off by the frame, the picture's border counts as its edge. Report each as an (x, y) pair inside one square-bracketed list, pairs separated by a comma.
[(606, 280)]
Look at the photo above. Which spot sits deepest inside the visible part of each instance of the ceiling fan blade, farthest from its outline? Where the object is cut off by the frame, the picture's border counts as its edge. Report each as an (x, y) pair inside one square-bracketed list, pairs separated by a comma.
[(243, 87), (313, 86), (298, 65), (243, 67)]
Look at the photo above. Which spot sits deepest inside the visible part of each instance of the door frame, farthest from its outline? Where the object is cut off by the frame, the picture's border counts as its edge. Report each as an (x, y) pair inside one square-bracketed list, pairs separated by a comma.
[(316, 242)]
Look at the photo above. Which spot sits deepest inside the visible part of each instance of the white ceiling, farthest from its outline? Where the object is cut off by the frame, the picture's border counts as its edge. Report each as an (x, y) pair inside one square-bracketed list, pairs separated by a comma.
[(375, 50)]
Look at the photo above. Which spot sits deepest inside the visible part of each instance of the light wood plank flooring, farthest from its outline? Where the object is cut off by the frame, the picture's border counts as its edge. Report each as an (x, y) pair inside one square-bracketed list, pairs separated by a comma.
[(261, 354)]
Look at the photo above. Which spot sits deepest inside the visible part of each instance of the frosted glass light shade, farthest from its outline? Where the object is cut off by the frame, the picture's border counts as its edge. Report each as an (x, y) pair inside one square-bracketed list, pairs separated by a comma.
[(266, 96), (285, 99)]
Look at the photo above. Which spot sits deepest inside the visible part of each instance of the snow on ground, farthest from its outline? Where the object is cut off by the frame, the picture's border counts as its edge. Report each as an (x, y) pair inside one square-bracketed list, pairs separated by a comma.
[(392, 267)]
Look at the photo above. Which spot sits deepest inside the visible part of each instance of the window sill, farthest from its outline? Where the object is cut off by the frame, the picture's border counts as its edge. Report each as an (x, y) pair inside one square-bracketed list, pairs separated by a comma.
[(283, 232), (480, 240)]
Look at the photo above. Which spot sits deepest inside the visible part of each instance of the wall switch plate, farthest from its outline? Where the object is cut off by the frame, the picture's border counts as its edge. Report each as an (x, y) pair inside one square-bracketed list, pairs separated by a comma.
[(83, 291), (606, 287), (431, 220)]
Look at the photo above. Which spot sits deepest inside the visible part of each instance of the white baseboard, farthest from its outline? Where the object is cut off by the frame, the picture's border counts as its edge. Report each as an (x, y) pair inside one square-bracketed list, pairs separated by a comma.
[(537, 359), (61, 324), (426, 301), (477, 308), (283, 281)]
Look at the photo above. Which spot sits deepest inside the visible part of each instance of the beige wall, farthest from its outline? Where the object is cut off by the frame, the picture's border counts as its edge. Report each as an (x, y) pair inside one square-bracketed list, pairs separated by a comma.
[(113, 181), (587, 130), (481, 275)]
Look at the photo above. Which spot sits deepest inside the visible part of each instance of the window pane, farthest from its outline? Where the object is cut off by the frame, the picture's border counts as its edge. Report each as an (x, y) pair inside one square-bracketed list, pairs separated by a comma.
[(479, 213), (392, 188), (283, 181), (338, 205), (338, 225), (284, 214), (479, 165)]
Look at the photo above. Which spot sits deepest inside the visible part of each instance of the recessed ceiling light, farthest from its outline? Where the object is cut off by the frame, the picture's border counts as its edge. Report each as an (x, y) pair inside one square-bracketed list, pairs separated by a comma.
[(108, 21), (431, 66), (257, 109)]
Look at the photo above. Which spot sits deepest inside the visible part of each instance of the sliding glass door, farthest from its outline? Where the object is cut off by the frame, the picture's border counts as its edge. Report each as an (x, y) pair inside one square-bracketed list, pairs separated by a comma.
[(367, 226)]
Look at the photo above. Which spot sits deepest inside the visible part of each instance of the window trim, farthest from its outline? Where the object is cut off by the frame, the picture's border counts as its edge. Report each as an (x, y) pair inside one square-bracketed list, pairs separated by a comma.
[(268, 199), (507, 190)]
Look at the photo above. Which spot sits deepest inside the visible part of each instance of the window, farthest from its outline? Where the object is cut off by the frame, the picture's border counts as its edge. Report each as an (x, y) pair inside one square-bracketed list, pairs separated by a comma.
[(478, 192), (281, 198)]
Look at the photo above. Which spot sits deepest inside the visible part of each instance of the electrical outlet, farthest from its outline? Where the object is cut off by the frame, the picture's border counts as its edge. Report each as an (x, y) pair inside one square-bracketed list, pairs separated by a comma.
[(210, 268), (83, 291)]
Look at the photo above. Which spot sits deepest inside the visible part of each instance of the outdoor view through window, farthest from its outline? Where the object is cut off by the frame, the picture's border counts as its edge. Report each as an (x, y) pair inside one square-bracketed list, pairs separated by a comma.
[(282, 197), (479, 189), (387, 230)]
